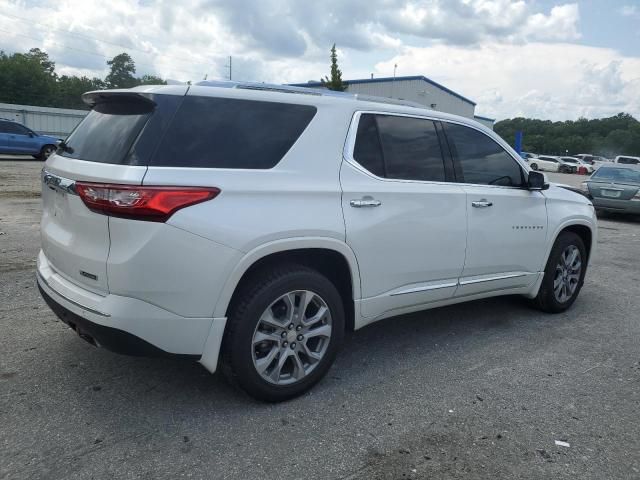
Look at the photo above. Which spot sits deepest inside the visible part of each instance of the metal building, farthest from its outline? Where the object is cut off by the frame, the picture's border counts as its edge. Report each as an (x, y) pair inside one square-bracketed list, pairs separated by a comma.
[(418, 88), (57, 122), (487, 122)]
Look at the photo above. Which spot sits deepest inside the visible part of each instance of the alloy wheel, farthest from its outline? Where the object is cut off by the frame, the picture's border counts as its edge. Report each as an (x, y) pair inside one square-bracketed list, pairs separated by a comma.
[(291, 337), (567, 274)]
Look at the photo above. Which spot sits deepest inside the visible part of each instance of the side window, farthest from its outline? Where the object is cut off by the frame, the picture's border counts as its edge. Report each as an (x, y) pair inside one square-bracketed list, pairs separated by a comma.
[(231, 133), (367, 150), (3, 127), (481, 159), (411, 148), (14, 128)]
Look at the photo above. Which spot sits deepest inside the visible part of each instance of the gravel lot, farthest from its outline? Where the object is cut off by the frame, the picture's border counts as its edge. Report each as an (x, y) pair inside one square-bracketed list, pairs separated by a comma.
[(481, 390)]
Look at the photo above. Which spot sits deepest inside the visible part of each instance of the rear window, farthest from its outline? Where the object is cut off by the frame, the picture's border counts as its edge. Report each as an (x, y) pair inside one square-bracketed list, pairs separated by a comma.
[(229, 133), (628, 160), (397, 147), (107, 133), (620, 175)]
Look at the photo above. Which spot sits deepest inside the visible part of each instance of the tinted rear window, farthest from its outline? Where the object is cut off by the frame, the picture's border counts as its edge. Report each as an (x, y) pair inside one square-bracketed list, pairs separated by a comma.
[(628, 160), (396, 147), (621, 175), (229, 133), (107, 133), (367, 150), (411, 148)]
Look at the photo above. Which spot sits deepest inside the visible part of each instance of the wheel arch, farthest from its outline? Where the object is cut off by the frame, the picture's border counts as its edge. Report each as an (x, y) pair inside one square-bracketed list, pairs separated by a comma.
[(583, 229), (331, 257)]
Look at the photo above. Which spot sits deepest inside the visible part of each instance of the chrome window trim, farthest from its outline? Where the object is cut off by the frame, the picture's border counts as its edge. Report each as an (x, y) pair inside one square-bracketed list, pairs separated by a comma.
[(350, 143)]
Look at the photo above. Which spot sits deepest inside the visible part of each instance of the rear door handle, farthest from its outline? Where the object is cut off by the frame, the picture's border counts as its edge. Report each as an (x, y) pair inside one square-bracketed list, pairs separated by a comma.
[(481, 203), (365, 202)]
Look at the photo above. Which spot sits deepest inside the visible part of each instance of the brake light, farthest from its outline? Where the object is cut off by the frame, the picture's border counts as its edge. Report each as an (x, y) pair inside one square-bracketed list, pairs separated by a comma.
[(153, 204)]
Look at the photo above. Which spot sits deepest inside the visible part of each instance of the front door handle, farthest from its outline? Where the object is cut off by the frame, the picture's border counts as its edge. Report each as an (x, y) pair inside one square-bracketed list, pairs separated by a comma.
[(481, 203), (365, 202)]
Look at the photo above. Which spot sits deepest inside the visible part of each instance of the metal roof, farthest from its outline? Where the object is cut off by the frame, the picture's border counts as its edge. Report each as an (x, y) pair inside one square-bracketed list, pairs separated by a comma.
[(391, 79)]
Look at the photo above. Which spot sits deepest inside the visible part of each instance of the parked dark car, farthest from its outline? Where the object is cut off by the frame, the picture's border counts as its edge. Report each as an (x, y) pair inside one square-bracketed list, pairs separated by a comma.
[(615, 188), (16, 139)]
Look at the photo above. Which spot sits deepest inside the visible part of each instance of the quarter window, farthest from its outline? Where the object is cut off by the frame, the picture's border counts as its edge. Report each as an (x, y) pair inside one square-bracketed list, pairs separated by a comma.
[(481, 159), (368, 151), (396, 147)]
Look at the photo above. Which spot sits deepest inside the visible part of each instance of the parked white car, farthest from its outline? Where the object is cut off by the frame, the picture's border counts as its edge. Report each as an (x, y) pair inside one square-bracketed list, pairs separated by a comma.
[(249, 226), (545, 163), (578, 163), (627, 160)]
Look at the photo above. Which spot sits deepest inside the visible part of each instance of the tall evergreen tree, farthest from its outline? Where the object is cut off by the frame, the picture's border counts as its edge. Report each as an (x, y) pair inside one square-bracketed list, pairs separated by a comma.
[(122, 72), (335, 82)]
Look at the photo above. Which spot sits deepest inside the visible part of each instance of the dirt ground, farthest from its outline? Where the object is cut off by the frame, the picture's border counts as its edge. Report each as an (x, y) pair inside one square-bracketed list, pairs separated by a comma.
[(480, 390)]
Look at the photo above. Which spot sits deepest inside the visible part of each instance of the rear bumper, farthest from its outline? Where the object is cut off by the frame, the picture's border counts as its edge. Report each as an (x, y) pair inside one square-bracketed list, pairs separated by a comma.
[(622, 206), (122, 324), (112, 339)]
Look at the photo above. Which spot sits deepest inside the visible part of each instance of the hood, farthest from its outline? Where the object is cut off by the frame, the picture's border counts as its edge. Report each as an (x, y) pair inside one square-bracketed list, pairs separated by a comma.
[(567, 192)]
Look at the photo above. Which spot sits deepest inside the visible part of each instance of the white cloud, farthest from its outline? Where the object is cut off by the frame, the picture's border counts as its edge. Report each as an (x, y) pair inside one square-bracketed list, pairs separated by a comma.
[(554, 81), (632, 11), (471, 21), (511, 56)]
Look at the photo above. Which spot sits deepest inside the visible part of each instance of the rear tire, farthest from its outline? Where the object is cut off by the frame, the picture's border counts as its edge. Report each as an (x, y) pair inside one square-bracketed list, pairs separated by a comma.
[(272, 349), (563, 274)]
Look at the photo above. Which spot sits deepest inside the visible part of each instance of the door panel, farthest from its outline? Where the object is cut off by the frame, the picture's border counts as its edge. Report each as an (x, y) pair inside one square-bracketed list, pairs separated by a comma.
[(505, 241), (411, 247), (22, 143), (506, 222)]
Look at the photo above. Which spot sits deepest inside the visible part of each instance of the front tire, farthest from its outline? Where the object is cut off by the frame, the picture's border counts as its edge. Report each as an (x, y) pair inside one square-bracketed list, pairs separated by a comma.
[(563, 274), (534, 166), (46, 152), (285, 328)]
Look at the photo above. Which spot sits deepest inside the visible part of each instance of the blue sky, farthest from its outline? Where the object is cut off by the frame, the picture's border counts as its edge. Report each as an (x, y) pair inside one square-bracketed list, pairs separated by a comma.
[(603, 24), (539, 58)]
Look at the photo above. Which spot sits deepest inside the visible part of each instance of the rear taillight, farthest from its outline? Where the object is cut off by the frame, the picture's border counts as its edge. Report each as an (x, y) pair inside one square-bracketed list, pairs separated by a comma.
[(153, 204)]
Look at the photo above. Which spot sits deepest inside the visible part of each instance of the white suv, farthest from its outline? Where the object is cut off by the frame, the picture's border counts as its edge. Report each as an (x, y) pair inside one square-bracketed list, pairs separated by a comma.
[(250, 226)]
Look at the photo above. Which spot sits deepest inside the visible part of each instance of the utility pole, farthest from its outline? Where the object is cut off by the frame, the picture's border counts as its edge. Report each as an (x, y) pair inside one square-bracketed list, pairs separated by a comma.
[(229, 67), (393, 82)]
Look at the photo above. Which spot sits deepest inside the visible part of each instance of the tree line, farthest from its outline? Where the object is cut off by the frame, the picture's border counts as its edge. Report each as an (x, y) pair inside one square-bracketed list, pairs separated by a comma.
[(30, 79), (607, 137)]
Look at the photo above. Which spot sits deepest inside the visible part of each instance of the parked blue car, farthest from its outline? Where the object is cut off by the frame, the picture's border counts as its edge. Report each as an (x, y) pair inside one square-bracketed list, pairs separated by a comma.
[(16, 139)]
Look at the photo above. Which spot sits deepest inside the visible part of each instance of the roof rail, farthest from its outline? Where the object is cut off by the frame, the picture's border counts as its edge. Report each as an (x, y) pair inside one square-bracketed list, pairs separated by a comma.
[(324, 92), (391, 101)]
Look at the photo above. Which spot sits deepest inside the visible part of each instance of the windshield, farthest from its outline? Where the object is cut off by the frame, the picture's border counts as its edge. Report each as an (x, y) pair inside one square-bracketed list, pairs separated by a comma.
[(617, 175)]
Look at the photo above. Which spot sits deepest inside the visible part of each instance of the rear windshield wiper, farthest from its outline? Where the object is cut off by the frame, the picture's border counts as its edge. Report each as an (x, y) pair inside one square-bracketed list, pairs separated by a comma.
[(64, 147)]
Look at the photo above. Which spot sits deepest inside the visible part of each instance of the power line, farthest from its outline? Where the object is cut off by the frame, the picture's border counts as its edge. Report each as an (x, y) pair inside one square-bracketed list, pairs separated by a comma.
[(152, 67), (88, 37)]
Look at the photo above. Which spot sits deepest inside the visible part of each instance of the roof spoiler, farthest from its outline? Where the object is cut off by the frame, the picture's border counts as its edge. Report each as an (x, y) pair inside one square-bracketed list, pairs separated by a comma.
[(101, 96)]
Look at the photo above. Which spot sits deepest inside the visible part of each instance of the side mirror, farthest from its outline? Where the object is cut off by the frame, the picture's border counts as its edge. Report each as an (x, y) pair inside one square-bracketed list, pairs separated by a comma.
[(536, 181)]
